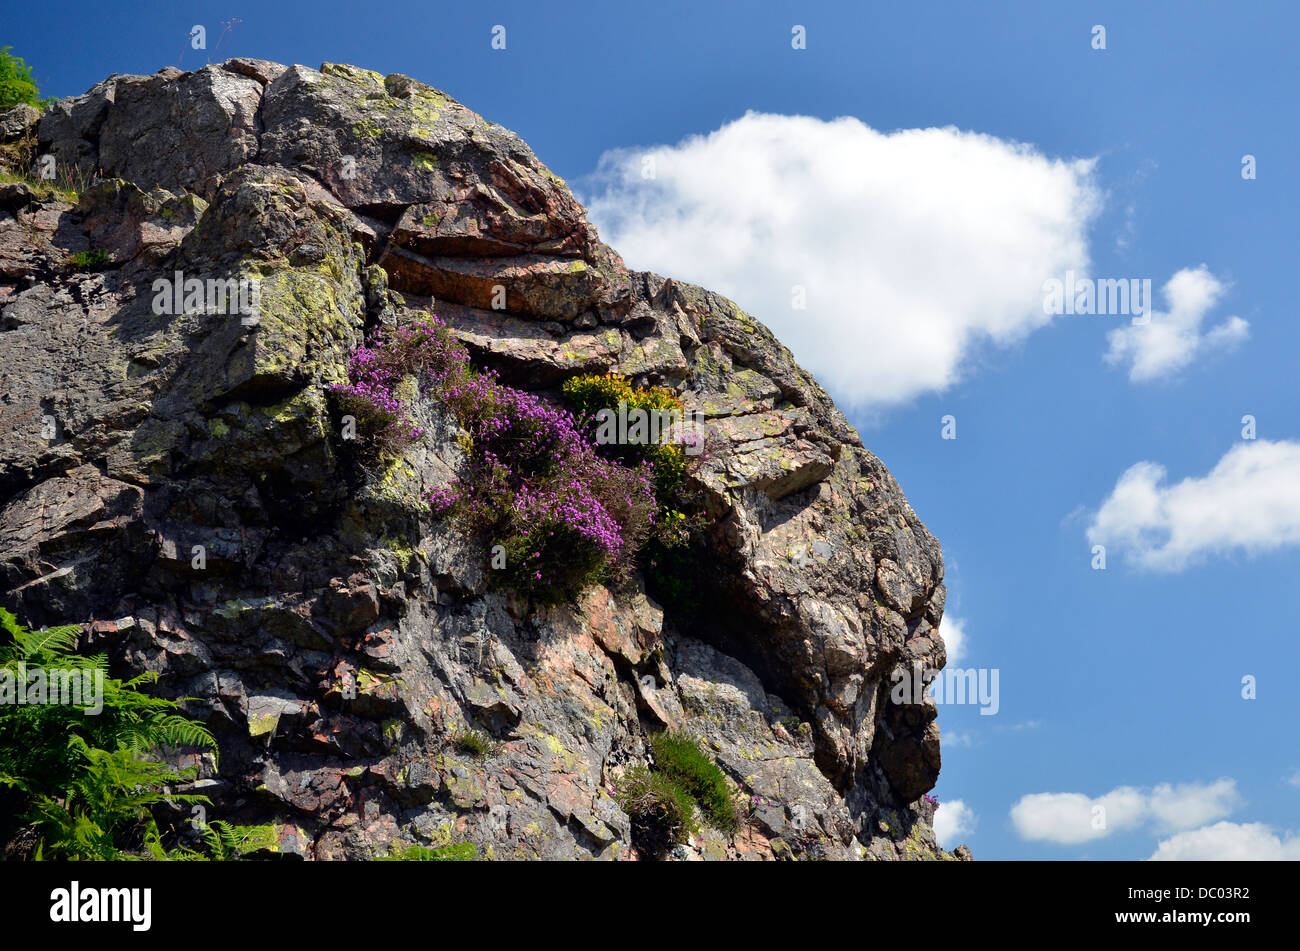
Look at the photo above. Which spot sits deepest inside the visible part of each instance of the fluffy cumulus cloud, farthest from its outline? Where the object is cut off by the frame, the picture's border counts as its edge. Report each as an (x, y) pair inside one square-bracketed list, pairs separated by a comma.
[(907, 250), (1072, 818), (953, 821), (1185, 805), (1171, 339), (1249, 502), (1227, 842)]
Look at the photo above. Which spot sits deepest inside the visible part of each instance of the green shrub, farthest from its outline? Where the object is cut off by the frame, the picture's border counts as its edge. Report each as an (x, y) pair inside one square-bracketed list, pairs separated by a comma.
[(460, 852), (678, 757), (590, 393), (673, 555), (16, 83), (662, 800), (662, 812), (475, 743), (567, 563), (88, 260)]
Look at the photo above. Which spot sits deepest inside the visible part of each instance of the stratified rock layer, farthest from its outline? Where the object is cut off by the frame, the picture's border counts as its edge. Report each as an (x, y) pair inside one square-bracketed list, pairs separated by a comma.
[(178, 484)]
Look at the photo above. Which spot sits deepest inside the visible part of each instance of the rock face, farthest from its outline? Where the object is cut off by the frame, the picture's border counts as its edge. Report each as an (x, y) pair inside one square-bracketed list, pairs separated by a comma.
[(177, 484)]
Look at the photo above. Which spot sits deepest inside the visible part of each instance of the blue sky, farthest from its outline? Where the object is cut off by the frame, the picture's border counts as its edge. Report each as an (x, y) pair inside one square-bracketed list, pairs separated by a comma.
[(1127, 678)]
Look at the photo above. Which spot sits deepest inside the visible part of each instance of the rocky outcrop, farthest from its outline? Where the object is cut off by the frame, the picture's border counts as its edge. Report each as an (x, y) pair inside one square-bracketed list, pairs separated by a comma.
[(177, 483)]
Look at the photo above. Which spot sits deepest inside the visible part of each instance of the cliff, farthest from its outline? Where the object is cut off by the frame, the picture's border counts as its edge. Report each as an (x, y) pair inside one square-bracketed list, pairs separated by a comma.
[(177, 483)]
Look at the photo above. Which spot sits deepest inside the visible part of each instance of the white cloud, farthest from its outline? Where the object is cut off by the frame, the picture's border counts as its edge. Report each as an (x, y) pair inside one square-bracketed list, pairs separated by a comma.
[(1172, 339), (1229, 841), (1071, 818), (1127, 234), (913, 247), (953, 821), (1186, 805), (1249, 501), (957, 738), (953, 632), (1294, 778)]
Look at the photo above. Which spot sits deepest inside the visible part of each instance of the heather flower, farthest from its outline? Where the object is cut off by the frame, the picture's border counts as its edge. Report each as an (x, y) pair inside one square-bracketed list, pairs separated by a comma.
[(533, 474), (374, 372)]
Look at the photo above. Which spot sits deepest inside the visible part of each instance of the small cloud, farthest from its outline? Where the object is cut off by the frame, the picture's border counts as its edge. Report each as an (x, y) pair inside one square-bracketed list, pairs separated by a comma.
[(1075, 516), (1127, 233), (953, 821), (1026, 725), (1072, 818), (1294, 778), (1185, 805), (1124, 237), (1228, 842), (957, 738), (1249, 501), (1170, 340)]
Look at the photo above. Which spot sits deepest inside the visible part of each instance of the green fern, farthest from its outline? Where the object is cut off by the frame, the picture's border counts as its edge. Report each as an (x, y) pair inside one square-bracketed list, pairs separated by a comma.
[(105, 802), (224, 843), (87, 783), (229, 842)]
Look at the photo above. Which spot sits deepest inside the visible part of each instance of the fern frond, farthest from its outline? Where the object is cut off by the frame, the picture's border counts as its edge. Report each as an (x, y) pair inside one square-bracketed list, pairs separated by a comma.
[(54, 640), (88, 784), (167, 730), (9, 623), (229, 842)]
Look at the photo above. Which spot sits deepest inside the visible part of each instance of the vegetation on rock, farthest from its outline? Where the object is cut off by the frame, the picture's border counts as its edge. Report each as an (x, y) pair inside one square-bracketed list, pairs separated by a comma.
[(662, 800), (662, 812), (88, 260), (17, 87), (679, 757), (474, 743), (567, 511), (459, 852), (84, 783), (374, 376), (671, 557)]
